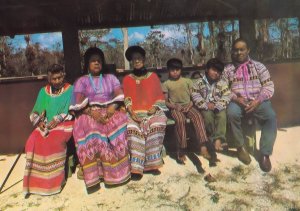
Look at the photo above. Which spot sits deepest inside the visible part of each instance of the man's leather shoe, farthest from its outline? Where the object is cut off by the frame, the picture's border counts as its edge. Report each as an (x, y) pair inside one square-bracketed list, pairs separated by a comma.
[(265, 163), (243, 155)]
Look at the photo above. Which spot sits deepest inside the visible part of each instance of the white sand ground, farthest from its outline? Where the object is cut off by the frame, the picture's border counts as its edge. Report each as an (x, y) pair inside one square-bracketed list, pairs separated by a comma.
[(238, 187)]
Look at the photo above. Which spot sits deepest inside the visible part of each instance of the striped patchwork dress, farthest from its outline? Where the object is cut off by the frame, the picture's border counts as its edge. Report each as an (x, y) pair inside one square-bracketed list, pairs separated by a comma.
[(46, 153), (145, 138), (101, 148), (250, 80)]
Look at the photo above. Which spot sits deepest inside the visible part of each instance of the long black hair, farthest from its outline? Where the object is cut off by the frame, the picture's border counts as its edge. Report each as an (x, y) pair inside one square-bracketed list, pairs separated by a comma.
[(87, 55)]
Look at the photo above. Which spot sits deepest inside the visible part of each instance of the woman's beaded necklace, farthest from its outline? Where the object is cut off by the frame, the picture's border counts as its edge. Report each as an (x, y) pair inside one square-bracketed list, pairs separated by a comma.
[(58, 91), (97, 90)]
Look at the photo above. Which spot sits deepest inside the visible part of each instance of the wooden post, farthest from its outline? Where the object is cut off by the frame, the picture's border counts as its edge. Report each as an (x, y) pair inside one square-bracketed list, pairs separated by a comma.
[(247, 31), (247, 25), (71, 52)]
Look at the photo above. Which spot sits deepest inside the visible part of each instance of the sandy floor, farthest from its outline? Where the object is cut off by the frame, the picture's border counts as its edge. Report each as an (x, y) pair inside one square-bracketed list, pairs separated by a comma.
[(237, 187)]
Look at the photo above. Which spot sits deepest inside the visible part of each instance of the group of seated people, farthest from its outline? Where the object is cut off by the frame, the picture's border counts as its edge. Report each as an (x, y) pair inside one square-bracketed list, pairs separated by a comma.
[(119, 130)]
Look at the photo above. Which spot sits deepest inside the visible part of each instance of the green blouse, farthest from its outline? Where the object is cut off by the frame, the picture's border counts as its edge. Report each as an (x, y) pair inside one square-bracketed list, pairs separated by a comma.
[(53, 104)]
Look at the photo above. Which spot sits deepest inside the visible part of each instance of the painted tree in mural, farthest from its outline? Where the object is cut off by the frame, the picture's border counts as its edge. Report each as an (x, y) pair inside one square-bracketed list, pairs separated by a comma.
[(298, 19), (154, 44), (226, 33), (6, 69), (3, 55), (125, 46), (184, 42), (114, 52), (33, 59), (200, 47), (188, 28), (211, 27), (285, 38), (218, 39), (201, 41), (112, 47), (262, 28), (31, 54), (194, 43), (277, 39), (92, 38), (174, 43)]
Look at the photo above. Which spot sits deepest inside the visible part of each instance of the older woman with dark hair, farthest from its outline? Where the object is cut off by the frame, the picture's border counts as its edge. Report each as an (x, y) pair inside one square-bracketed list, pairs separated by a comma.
[(145, 104), (46, 146), (100, 128)]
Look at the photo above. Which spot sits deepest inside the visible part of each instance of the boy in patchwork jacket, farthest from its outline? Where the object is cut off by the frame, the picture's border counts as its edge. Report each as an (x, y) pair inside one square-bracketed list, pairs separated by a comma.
[(177, 90), (211, 95)]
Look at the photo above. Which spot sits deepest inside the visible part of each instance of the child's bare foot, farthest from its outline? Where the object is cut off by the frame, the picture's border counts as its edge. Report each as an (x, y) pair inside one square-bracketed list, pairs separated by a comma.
[(80, 173), (204, 152), (181, 158), (218, 145)]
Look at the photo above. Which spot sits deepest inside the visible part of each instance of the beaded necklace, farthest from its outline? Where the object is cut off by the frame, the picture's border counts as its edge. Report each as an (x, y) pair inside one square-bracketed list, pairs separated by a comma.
[(97, 90), (61, 90)]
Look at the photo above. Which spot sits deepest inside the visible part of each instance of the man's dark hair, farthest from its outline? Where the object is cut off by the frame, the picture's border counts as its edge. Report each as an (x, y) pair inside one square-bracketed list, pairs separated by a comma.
[(240, 40), (174, 63), (215, 63), (55, 68)]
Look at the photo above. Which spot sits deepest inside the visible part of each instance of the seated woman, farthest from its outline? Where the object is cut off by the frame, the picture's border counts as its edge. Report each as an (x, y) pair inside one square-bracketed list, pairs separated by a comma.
[(145, 104), (99, 128), (46, 146)]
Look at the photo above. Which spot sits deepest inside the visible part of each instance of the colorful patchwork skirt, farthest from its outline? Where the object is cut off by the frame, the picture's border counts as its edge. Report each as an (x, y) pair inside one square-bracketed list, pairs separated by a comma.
[(146, 142), (102, 149), (45, 160)]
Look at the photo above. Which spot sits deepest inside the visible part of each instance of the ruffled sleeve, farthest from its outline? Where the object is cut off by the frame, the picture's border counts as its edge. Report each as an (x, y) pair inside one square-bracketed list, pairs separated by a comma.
[(118, 91), (38, 108), (79, 98)]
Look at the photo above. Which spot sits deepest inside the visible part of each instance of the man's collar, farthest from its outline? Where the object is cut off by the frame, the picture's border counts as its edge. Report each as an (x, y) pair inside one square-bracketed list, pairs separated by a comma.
[(236, 64)]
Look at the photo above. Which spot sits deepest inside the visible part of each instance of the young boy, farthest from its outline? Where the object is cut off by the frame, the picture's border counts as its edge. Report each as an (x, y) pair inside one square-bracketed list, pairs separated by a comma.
[(211, 95), (177, 92)]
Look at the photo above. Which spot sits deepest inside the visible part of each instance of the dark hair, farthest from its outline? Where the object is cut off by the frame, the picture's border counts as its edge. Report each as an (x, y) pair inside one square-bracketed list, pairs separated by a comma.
[(134, 49), (215, 63), (194, 74), (174, 63), (55, 68), (87, 55), (240, 40)]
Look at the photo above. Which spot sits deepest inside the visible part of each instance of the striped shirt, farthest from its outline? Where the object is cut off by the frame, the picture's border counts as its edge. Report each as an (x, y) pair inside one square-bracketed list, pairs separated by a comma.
[(203, 93), (250, 80)]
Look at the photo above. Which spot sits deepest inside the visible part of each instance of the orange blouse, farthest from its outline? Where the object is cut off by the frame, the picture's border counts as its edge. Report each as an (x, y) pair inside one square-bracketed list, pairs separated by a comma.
[(143, 92)]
